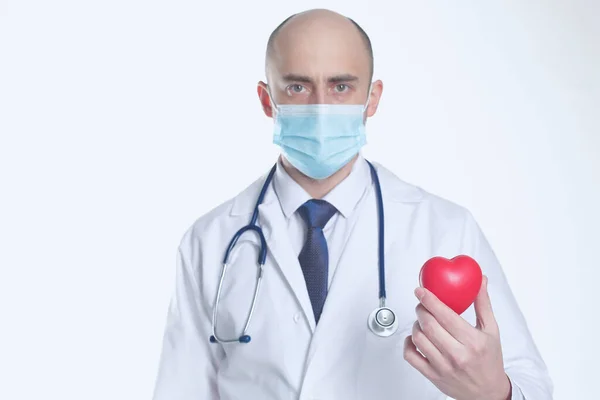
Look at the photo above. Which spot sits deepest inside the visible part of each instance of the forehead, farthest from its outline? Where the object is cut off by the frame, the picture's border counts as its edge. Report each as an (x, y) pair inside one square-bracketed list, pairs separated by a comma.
[(320, 53)]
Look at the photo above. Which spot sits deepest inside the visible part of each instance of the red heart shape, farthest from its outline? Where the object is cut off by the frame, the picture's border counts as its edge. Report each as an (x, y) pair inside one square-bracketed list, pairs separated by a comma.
[(456, 281)]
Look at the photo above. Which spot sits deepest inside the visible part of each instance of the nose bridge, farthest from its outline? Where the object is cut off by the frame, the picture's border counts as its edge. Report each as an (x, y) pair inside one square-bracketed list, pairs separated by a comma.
[(320, 91)]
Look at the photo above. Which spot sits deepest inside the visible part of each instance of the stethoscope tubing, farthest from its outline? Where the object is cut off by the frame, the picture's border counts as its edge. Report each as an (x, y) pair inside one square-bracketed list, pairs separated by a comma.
[(376, 326)]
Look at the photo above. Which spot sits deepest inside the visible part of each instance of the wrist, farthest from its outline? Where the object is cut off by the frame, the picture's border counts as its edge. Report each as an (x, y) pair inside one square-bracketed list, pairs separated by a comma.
[(507, 391)]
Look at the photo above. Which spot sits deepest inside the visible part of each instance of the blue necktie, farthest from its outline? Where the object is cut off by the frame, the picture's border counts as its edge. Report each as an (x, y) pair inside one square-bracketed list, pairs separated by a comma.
[(314, 258)]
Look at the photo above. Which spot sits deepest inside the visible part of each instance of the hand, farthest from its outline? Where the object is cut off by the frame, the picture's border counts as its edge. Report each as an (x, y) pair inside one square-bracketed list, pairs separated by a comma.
[(463, 361)]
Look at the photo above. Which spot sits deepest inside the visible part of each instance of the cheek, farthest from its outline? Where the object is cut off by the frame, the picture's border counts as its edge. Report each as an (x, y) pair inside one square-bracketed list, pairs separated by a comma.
[(350, 96), (291, 97)]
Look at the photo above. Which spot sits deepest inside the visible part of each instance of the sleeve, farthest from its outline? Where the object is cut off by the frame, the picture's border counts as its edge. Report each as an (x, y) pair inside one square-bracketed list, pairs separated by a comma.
[(523, 363), (188, 362)]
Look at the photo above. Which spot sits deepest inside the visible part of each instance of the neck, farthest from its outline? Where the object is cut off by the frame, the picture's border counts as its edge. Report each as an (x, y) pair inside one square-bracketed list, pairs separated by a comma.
[(318, 188)]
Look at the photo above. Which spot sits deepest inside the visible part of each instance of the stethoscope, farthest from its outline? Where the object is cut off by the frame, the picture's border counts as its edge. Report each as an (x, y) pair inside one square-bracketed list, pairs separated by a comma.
[(382, 320)]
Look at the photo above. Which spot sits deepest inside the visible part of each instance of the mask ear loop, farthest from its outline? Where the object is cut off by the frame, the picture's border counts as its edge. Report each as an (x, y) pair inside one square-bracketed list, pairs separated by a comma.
[(273, 104), (368, 97)]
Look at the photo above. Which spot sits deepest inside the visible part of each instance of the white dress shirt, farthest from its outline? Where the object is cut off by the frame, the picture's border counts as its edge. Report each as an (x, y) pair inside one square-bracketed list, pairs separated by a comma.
[(346, 197)]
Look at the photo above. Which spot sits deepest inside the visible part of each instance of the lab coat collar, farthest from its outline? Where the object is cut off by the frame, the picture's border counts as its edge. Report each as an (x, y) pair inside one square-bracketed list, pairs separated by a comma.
[(290, 194), (273, 224), (347, 193), (344, 197), (393, 189)]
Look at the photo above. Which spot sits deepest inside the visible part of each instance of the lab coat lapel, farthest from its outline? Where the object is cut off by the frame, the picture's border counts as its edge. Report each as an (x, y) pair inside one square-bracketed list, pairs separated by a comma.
[(273, 223), (352, 280), (354, 291)]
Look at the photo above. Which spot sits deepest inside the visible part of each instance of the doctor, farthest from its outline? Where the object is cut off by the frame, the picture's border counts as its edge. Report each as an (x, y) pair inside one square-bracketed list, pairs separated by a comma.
[(318, 213)]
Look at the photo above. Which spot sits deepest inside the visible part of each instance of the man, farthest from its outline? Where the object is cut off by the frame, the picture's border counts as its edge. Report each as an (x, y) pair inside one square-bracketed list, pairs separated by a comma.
[(308, 337)]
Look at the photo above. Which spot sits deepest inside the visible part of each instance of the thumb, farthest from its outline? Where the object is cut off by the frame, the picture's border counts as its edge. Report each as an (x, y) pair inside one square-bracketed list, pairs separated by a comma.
[(483, 309)]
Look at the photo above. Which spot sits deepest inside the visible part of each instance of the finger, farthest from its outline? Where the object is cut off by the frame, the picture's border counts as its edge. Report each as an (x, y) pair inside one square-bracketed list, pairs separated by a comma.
[(453, 323), (483, 309), (435, 333), (416, 359), (426, 347)]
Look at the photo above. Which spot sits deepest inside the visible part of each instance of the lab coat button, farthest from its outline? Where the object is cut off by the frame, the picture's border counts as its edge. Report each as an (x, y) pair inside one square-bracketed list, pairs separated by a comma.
[(296, 317)]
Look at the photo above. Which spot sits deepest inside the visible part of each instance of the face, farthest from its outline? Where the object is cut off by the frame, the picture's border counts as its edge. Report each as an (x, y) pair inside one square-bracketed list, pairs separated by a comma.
[(329, 65)]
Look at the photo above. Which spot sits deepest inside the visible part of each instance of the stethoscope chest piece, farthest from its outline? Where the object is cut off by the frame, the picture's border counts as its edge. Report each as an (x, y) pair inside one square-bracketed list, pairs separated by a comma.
[(382, 322)]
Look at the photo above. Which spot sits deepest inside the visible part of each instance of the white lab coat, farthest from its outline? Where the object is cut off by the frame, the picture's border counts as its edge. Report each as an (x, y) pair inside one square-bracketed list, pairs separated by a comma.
[(341, 359)]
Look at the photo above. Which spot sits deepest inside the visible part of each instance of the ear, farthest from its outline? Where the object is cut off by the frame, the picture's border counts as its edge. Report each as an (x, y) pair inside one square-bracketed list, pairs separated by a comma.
[(265, 100), (374, 96)]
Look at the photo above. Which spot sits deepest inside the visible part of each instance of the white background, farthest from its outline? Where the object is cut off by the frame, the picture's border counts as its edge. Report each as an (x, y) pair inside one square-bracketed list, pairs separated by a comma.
[(121, 122)]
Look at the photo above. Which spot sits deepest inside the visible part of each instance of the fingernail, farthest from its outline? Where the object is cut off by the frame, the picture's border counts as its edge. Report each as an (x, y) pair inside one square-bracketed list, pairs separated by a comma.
[(419, 292)]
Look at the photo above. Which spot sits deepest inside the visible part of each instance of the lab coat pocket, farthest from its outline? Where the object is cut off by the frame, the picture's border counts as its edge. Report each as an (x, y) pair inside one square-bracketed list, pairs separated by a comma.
[(387, 348), (382, 363)]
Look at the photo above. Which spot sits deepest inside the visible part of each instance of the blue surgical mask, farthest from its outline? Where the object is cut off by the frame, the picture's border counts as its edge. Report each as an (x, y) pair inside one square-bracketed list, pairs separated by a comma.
[(319, 139)]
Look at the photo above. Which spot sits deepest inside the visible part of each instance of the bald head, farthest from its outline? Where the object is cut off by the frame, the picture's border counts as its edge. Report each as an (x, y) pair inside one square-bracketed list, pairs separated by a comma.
[(320, 28)]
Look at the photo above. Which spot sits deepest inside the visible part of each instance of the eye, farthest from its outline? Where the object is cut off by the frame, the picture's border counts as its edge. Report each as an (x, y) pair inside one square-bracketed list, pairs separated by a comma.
[(296, 88), (341, 87)]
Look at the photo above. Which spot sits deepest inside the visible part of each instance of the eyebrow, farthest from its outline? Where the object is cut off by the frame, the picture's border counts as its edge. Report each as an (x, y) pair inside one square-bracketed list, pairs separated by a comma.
[(342, 78), (333, 79)]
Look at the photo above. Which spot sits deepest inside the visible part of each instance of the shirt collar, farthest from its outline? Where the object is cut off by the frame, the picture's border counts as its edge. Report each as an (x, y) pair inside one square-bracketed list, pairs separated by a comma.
[(344, 197)]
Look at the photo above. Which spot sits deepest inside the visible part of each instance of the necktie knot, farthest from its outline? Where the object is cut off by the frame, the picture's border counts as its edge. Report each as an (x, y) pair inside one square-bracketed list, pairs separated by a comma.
[(317, 212)]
